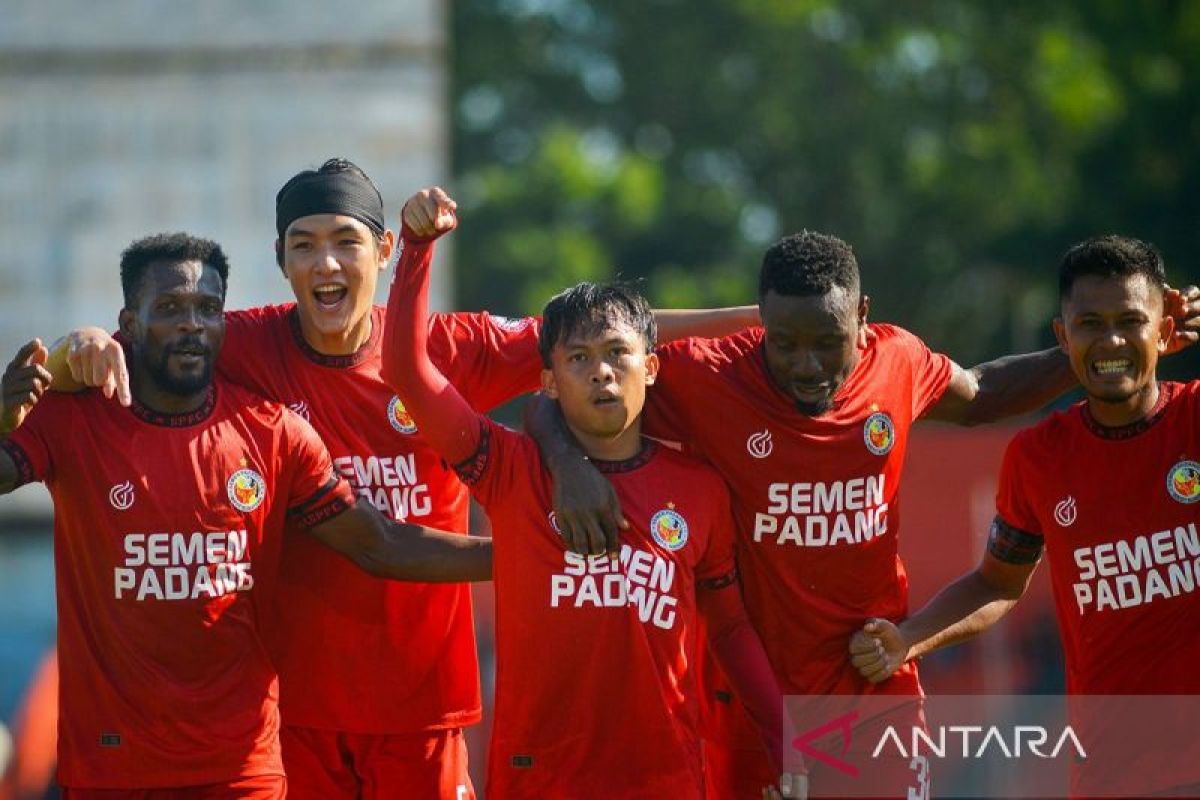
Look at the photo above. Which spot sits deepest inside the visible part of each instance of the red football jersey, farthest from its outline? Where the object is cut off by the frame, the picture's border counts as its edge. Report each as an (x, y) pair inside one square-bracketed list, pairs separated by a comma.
[(163, 528), (1119, 512), (356, 653), (815, 499), (595, 692)]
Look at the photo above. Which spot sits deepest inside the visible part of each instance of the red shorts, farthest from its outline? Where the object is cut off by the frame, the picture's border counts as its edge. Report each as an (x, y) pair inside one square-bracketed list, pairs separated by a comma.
[(328, 765), (740, 771), (263, 787)]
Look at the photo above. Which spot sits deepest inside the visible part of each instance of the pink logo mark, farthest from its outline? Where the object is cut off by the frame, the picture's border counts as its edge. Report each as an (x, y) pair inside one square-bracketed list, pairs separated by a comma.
[(844, 724)]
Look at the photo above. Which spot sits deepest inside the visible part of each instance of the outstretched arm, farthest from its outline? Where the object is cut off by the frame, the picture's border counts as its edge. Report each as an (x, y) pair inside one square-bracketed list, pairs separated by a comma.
[(680, 323), (404, 551), (444, 417), (25, 380), (1005, 387), (961, 611)]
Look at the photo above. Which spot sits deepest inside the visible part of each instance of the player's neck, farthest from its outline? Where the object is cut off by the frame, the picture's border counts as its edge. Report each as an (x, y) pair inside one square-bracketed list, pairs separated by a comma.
[(149, 394), (622, 447), (1125, 412), (341, 343)]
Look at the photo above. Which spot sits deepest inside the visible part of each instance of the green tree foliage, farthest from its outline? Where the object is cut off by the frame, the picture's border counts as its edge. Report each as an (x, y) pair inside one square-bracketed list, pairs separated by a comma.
[(959, 146)]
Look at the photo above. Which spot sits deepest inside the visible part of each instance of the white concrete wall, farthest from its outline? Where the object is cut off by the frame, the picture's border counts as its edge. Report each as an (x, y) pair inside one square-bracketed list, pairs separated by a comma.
[(130, 117)]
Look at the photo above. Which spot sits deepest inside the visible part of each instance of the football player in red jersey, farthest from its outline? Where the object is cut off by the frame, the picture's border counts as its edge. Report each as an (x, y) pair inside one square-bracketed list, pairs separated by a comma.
[(807, 418), (377, 678), (1094, 489), (596, 693), (169, 517)]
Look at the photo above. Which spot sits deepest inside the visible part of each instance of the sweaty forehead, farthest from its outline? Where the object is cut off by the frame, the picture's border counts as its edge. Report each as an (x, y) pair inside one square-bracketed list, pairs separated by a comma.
[(181, 277), (325, 224), (1112, 294), (832, 312)]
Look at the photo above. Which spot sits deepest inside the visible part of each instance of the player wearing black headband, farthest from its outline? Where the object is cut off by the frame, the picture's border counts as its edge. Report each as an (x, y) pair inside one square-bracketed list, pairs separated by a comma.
[(377, 680)]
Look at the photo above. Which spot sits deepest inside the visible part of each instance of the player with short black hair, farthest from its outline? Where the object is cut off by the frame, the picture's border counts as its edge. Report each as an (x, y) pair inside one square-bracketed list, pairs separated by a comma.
[(588, 307), (808, 263), (612, 712), (1116, 472), (169, 525)]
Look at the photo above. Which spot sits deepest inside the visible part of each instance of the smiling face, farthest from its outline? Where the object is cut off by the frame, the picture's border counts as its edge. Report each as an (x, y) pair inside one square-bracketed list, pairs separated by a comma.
[(1113, 330), (333, 263), (177, 326), (812, 343), (599, 376)]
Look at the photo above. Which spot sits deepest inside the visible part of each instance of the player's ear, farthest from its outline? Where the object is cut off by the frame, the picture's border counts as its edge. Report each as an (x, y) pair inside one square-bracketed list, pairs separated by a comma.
[(279, 257), (549, 386), (651, 368), (1060, 333), (864, 306), (386, 245), (1166, 330), (127, 323)]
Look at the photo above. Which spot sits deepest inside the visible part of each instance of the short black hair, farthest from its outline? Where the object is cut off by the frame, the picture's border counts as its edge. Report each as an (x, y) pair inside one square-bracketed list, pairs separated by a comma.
[(332, 166), (1110, 257), (589, 307), (171, 248), (806, 264)]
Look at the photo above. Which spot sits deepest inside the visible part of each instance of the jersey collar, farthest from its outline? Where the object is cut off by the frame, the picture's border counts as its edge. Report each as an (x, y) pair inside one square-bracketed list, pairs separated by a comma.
[(649, 448), (187, 419), (1166, 393), (341, 362)]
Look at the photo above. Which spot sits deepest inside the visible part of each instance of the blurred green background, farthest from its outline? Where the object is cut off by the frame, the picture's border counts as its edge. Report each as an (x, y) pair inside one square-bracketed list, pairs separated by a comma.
[(959, 146)]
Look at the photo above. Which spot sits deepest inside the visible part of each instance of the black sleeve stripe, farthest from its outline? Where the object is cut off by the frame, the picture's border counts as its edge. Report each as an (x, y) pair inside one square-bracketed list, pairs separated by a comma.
[(306, 506), (718, 582), (21, 460), (1013, 545), (323, 513), (471, 468)]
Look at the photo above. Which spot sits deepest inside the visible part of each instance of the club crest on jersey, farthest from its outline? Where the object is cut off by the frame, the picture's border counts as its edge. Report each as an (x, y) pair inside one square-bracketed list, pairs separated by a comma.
[(759, 444), (1183, 482), (400, 418), (879, 433), (121, 496), (1066, 511), (246, 489), (669, 528)]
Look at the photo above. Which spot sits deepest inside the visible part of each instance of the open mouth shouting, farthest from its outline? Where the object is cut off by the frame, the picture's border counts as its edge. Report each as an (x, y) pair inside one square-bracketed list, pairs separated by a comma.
[(330, 295)]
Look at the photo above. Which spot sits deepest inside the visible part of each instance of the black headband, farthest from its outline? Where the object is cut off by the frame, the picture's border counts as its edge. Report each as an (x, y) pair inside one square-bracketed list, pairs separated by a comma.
[(329, 193)]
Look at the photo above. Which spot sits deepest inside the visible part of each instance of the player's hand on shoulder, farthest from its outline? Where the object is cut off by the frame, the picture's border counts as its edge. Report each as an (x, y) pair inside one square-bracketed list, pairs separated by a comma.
[(587, 511), (428, 214), (97, 359), (25, 380), (792, 786), (878, 650), (1184, 305)]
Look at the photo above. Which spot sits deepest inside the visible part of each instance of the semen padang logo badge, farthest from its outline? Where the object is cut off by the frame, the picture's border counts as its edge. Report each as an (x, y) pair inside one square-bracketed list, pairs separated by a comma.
[(759, 444), (1066, 511), (121, 496)]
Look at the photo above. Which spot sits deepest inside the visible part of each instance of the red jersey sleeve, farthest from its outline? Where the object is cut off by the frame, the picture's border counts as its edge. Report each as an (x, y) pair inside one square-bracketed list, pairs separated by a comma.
[(931, 372), (1016, 536), (32, 446), (502, 459), (240, 359), (315, 492), (489, 359), (666, 413), (717, 568)]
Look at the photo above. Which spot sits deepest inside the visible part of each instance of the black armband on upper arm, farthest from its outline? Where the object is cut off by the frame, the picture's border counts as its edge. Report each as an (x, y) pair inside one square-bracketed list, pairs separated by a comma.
[(719, 581), (1012, 545), (471, 468), (323, 505)]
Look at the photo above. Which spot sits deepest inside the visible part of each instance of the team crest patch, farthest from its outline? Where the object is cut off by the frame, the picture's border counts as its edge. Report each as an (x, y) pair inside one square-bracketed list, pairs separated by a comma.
[(1183, 482), (669, 528), (879, 433), (246, 489), (400, 418)]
